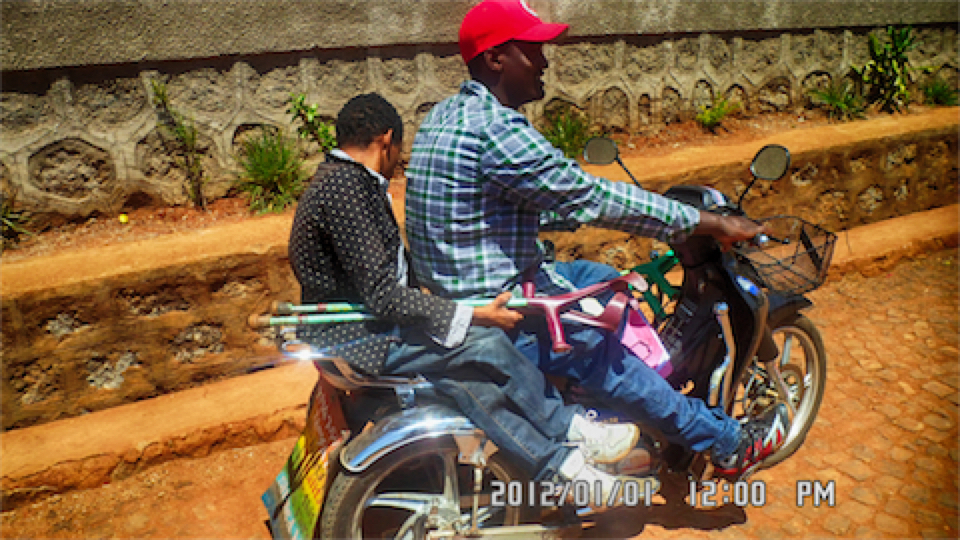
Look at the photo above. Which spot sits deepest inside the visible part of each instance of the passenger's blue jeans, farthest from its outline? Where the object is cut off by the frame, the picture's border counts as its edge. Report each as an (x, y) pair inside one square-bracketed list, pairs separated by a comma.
[(497, 389), (607, 369)]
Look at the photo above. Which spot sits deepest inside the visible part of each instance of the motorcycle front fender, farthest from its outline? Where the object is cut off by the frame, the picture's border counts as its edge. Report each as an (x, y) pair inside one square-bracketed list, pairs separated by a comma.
[(402, 428), (783, 307)]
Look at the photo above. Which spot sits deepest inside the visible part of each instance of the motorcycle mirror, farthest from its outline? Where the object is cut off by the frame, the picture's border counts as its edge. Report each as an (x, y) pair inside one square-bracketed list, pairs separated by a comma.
[(600, 151), (771, 162), (603, 151)]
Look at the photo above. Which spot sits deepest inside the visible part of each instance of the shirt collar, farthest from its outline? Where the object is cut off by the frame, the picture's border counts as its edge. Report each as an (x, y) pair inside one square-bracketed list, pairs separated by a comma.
[(476, 88), (340, 154)]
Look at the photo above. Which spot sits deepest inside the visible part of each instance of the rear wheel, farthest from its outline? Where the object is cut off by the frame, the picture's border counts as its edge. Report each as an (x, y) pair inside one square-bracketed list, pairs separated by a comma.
[(413, 490), (802, 366)]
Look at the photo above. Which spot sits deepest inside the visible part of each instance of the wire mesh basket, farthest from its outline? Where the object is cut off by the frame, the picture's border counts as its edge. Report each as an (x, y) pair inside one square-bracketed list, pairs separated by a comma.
[(797, 265)]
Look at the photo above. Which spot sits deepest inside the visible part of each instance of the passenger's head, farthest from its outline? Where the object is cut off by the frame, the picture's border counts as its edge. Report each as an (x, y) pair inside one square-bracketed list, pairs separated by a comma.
[(370, 120), (365, 117), (502, 43)]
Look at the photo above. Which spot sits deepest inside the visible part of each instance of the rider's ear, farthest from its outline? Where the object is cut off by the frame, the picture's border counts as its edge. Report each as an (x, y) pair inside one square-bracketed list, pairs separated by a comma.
[(492, 58)]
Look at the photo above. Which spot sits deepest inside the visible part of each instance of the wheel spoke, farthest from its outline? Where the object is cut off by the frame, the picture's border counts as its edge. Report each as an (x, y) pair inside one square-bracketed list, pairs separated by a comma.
[(411, 528), (781, 386), (484, 514), (418, 503)]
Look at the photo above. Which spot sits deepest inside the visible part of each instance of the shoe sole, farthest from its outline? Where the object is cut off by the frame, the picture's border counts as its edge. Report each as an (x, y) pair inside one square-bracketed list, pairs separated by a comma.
[(633, 444)]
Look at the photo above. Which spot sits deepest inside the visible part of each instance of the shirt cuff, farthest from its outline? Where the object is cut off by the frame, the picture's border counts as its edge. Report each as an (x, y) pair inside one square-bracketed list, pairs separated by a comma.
[(688, 219), (458, 327)]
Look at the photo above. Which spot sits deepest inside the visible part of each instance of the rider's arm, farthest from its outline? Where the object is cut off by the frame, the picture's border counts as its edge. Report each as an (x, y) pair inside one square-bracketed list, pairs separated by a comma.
[(727, 229), (526, 169)]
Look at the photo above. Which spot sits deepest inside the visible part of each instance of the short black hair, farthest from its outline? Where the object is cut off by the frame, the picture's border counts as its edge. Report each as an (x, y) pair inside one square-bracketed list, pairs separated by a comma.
[(365, 117)]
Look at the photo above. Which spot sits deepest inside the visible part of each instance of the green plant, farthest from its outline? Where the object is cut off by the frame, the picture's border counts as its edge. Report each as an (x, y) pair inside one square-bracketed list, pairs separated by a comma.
[(182, 132), (840, 99), (311, 126), (271, 171), (711, 116), (12, 220), (567, 129), (937, 91), (887, 75)]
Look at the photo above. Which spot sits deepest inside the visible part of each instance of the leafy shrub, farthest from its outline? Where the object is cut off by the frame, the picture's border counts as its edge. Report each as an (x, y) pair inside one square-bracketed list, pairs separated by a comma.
[(887, 75), (182, 132), (937, 91), (12, 220), (840, 99), (311, 126), (271, 171), (710, 117), (567, 129)]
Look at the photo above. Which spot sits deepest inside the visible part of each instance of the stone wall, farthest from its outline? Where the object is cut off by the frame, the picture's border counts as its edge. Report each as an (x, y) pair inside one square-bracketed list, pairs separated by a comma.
[(171, 314), (79, 134), (167, 315)]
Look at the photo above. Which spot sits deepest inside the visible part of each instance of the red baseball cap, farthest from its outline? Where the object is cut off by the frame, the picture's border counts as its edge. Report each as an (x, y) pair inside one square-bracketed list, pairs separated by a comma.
[(494, 22)]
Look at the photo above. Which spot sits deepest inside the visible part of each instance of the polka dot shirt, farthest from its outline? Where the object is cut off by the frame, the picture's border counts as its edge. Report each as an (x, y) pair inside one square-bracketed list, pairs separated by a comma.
[(345, 246)]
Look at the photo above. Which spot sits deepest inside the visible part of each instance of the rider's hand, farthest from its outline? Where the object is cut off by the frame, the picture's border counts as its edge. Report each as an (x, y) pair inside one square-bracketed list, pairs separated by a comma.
[(728, 230), (496, 314)]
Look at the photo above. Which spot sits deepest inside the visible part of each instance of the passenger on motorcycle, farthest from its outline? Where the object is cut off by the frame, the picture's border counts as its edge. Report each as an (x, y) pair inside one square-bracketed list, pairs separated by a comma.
[(481, 183), (345, 245)]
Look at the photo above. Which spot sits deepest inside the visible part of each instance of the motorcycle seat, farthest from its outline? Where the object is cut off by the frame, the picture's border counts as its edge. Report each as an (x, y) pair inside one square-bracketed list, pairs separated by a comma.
[(341, 375)]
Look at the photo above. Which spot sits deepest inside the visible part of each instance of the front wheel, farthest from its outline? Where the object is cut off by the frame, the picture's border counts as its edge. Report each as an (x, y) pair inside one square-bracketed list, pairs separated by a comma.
[(802, 366), (413, 490)]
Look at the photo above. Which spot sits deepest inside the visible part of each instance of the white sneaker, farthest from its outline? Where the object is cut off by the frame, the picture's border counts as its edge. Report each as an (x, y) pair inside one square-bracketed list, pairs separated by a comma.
[(602, 442), (582, 482)]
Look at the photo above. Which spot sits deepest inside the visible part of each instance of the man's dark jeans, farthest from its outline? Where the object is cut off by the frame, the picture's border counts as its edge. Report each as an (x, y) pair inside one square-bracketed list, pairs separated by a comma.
[(498, 389)]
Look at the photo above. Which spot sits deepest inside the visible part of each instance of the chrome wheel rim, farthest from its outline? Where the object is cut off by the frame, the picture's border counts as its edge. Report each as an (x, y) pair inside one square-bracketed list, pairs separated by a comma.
[(430, 491)]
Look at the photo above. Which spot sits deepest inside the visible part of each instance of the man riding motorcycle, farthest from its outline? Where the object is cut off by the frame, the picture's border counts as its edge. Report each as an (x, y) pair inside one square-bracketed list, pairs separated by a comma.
[(482, 181)]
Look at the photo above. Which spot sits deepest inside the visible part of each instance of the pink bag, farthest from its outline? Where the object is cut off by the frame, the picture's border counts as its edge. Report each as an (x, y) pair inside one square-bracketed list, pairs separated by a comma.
[(643, 341)]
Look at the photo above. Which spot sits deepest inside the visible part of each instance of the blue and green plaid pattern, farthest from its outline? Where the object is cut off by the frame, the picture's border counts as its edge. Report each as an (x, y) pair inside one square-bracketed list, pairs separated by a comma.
[(482, 180)]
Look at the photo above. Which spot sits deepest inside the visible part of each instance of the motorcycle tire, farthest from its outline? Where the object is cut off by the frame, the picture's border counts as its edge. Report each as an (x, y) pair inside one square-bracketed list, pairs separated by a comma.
[(805, 384), (359, 505)]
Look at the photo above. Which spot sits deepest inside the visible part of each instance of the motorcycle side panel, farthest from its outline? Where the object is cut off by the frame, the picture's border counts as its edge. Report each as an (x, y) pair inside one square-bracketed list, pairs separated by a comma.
[(403, 428)]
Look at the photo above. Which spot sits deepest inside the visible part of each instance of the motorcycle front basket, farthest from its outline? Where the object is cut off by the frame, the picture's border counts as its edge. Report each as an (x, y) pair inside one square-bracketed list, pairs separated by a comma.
[(800, 265)]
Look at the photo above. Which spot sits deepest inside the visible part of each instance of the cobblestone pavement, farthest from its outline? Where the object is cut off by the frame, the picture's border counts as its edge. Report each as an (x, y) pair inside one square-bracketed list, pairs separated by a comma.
[(885, 440), (886, 435)]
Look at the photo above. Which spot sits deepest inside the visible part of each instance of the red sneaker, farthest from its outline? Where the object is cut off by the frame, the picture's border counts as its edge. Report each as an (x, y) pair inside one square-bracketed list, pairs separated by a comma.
[(758, 439)]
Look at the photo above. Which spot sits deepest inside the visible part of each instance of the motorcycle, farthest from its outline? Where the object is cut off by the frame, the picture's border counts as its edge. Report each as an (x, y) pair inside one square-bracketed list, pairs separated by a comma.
[(387, 457)]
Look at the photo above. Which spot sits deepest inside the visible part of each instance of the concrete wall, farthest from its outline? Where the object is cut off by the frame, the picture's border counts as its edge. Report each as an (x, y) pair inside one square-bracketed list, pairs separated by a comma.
[(79, 134), (42, 34)]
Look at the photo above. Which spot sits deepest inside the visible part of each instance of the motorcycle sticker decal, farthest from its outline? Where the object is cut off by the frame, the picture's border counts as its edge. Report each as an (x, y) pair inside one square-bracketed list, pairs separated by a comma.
[(295, 498)]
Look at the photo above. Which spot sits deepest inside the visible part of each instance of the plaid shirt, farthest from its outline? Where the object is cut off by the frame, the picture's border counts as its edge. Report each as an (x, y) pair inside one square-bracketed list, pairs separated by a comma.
[(482, 181)]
